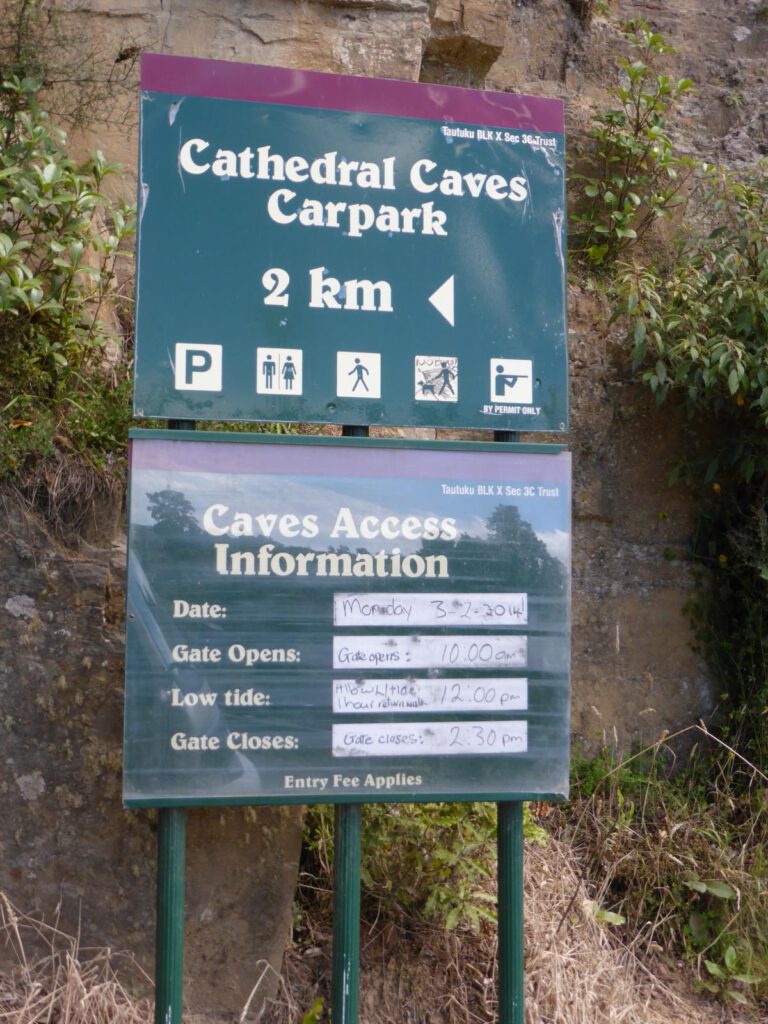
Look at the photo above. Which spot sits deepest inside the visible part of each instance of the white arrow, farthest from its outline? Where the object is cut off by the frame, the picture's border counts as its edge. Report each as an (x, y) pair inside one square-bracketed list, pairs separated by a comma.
[(442, 300)]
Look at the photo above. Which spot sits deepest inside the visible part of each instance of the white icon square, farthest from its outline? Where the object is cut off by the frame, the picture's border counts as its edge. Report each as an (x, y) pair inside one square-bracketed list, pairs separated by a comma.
[(436, 378), (197, 367), (279, 371), (358, 374), (512, 381)]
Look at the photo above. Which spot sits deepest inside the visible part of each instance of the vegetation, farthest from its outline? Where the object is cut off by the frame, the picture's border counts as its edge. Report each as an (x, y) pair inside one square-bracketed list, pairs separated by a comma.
[(680, 855), (64, 385), (674, 859), (633, 176), (421, 862)]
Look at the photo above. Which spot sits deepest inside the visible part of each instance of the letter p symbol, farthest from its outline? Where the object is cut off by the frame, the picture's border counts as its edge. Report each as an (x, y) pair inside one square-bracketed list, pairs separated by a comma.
[(197, 367)]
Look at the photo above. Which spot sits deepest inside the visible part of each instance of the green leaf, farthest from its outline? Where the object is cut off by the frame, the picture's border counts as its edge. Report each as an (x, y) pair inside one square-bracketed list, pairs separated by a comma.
[(695, 884), (721, 890), (609, 917), (452, 918), (714, 969), (313, 1014)]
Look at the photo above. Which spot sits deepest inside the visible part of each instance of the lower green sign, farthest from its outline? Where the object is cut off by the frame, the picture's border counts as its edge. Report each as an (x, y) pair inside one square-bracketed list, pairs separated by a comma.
[(329, 620)]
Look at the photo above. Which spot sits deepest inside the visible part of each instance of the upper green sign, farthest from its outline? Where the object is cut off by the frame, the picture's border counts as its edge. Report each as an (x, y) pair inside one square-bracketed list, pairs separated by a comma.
[(323, 249)]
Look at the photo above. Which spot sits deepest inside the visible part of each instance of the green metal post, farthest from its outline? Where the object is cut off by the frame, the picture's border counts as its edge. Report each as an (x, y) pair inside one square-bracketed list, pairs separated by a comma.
[(169, 927), (169, 936), (345, 981), (346, 913), (510, 880), (511, 948)]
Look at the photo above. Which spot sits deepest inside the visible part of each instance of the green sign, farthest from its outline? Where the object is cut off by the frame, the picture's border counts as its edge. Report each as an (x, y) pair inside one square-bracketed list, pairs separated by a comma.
[(323, 249), (313, 620)]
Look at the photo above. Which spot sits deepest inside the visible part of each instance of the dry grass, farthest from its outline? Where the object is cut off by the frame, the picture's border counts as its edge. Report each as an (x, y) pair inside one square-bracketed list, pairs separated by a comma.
[(64, 985), (66, 493), (577, 972)]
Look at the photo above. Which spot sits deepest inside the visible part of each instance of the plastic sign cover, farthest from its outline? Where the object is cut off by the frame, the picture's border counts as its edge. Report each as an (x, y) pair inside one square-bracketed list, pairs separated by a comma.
[(317, 248), (318, 621)]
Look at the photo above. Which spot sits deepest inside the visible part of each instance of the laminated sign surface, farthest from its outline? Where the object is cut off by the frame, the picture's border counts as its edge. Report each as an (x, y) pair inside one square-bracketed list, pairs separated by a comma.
[(315, 248), (316, 621)]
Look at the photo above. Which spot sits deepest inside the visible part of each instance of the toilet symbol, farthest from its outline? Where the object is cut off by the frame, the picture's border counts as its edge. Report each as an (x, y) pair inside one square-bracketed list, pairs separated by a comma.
[(279, 371), (268, 368), (289, 372)]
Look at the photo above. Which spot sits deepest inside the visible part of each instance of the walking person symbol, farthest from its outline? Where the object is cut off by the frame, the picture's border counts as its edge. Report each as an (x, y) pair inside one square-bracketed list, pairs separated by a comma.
[(361, 373), (289, 373), (446, 375)]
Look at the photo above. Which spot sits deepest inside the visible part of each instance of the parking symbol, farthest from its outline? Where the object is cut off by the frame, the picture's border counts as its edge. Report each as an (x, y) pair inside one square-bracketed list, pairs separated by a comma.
[(197, 367), (512, 381)]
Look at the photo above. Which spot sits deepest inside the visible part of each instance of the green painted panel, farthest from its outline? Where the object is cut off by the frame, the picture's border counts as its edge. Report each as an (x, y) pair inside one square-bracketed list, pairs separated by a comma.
[(320, 621), (321, 265)]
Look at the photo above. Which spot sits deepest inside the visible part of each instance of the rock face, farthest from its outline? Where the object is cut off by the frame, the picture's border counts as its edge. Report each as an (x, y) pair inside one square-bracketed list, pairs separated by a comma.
[(66, 838), (634, 672)]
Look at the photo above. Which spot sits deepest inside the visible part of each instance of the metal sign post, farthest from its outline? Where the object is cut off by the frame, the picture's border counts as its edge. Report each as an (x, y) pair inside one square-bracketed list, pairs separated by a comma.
[(347, 620), (510, 849), (329, 619), (169, 941)]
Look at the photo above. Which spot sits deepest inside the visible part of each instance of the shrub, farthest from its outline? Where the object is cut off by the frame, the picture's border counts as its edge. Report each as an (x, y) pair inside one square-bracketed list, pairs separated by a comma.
[(63, 383)]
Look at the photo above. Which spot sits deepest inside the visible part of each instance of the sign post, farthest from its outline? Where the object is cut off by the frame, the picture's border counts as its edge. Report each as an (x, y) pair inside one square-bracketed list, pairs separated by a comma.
[(311, 620), (169, 942)]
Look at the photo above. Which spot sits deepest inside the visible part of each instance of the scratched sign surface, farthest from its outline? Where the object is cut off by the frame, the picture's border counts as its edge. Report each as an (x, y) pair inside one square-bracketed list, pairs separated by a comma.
[(325, 249), (313, 620)]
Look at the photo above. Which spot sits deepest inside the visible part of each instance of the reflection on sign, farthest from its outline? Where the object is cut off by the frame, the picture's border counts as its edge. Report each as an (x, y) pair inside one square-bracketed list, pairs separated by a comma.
[(320, 621)]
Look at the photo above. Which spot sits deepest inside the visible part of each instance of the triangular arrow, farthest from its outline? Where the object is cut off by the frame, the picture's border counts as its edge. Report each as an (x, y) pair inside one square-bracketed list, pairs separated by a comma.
[(442, 300)]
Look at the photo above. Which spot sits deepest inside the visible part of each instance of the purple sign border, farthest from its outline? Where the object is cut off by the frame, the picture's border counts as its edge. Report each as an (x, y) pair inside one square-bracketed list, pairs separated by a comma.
[(228, 80), (218, 454)]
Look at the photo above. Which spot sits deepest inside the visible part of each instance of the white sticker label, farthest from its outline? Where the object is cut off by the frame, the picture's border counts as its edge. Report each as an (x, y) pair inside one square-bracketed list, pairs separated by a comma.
[(197, 367), (414, 739), (401, 696), (441, 609), (358, 374), (279, 371), (460, 651), (436, 379)]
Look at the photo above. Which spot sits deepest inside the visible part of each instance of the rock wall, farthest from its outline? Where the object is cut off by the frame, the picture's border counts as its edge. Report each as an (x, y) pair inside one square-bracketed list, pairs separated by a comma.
[(634, 672), (66, 842)]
